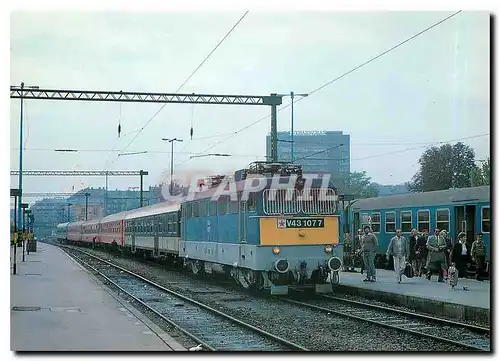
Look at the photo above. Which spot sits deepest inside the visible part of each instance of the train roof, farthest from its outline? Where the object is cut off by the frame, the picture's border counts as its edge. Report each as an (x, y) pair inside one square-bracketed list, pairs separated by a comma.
[(434, 198), (154, 209), (91, 222), (114, 217), (78, 223), (240, 186)]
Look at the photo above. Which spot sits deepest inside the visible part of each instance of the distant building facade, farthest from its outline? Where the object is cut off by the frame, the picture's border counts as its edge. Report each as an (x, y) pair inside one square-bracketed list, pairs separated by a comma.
[(50, 212), (317, 152)]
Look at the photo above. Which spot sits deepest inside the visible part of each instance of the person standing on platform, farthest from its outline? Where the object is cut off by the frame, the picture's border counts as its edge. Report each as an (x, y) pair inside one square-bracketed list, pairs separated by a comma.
[(357, 247), (398, 249), (461, 255), (412, 258), (348, 259), (368, 246), (420, 249), (449, 247), (435, 257), (478, 254)]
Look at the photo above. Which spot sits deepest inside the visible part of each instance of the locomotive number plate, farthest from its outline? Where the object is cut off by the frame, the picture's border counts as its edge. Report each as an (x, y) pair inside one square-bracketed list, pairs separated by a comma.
[(301, 223)]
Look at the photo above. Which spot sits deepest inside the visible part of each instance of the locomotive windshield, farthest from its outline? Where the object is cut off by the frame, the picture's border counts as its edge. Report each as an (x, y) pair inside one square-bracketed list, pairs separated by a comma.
[(293, 201)]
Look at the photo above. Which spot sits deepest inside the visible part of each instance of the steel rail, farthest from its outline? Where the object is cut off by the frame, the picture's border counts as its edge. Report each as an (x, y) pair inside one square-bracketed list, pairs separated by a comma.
[(429, 318), (386, 325), (187, 333), (192, 301)]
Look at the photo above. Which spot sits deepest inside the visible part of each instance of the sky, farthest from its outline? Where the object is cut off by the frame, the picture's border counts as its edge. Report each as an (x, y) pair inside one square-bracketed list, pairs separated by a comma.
[(434, 88)]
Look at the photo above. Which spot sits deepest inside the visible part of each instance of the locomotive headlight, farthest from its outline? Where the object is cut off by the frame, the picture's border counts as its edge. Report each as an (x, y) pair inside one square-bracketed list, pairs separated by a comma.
[(328, 249), (276, 250)]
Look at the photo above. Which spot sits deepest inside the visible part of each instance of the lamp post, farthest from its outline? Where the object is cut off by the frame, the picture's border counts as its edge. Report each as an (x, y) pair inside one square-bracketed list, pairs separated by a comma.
[(87, 195), (15, 193), (171, 141), (24, 206), (142, 173), (292, 96), (27, 212), (20, 186)]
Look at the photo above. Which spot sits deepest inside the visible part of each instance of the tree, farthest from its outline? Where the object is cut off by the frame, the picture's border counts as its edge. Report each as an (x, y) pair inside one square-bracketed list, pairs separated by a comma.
[(486, 169), (480, 176), (360, 185), (444, 167)]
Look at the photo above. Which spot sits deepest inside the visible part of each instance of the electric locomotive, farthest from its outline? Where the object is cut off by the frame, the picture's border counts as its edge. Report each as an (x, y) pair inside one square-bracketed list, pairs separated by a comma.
[(274, 238)]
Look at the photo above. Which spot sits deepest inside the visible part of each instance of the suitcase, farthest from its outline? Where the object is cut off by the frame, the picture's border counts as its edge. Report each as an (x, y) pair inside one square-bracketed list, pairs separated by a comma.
[(408, 271)]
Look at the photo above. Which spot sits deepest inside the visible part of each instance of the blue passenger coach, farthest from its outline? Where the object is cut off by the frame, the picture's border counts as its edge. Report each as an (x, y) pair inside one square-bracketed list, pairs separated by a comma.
[(455, 210)]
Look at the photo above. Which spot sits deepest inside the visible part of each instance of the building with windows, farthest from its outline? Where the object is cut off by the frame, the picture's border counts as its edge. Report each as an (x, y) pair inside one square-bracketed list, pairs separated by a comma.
[(317, 152)]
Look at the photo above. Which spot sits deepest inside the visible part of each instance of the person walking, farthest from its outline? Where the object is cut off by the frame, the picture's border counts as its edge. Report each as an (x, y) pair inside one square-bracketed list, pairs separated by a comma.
[(369, 244), (398, 249), (436, 257), (461, 255), (412, 258), (420, 249), (478, 254), (357, 247)]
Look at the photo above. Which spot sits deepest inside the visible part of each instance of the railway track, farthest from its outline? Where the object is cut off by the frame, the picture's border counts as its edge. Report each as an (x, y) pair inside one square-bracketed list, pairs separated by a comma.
[(213, 329), (468, 336)]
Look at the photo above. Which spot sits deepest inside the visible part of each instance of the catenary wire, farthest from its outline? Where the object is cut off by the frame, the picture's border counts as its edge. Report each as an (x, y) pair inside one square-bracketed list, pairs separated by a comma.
[(337, 78), (188, 78)]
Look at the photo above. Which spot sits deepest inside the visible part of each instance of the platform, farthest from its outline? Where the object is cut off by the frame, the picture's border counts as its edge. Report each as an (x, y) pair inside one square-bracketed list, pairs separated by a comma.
[(56, 305), (420, 294)]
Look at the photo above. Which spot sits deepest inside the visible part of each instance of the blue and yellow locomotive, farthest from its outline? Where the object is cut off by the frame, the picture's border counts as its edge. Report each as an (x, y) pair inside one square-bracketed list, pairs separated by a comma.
[(267, 239)]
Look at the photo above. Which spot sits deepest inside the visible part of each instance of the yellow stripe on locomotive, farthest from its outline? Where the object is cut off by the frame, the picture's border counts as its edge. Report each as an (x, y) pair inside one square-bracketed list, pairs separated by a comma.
[(299, 230)]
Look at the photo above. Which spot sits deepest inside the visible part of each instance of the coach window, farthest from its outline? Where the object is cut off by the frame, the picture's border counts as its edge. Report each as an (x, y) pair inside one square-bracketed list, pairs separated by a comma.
[(485, 220), (423, 219), (390, 222), (365, 220), (406, 221), (375, 222), (189, 210), (443, 219), (222, 205)]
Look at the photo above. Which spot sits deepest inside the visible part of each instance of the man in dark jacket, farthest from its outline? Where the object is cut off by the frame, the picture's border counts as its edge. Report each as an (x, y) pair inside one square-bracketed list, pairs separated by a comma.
[(369, 245), (412, 242), (357, 247), (478, 255), (461, 254), (420, 250)]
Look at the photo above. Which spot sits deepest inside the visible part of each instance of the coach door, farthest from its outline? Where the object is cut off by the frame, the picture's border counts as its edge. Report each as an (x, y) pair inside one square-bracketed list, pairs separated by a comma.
[(135, 227), (465, 221)]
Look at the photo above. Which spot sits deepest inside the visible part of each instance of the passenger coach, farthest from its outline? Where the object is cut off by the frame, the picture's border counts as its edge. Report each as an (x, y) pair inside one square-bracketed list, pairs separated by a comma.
[(455, 210)]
